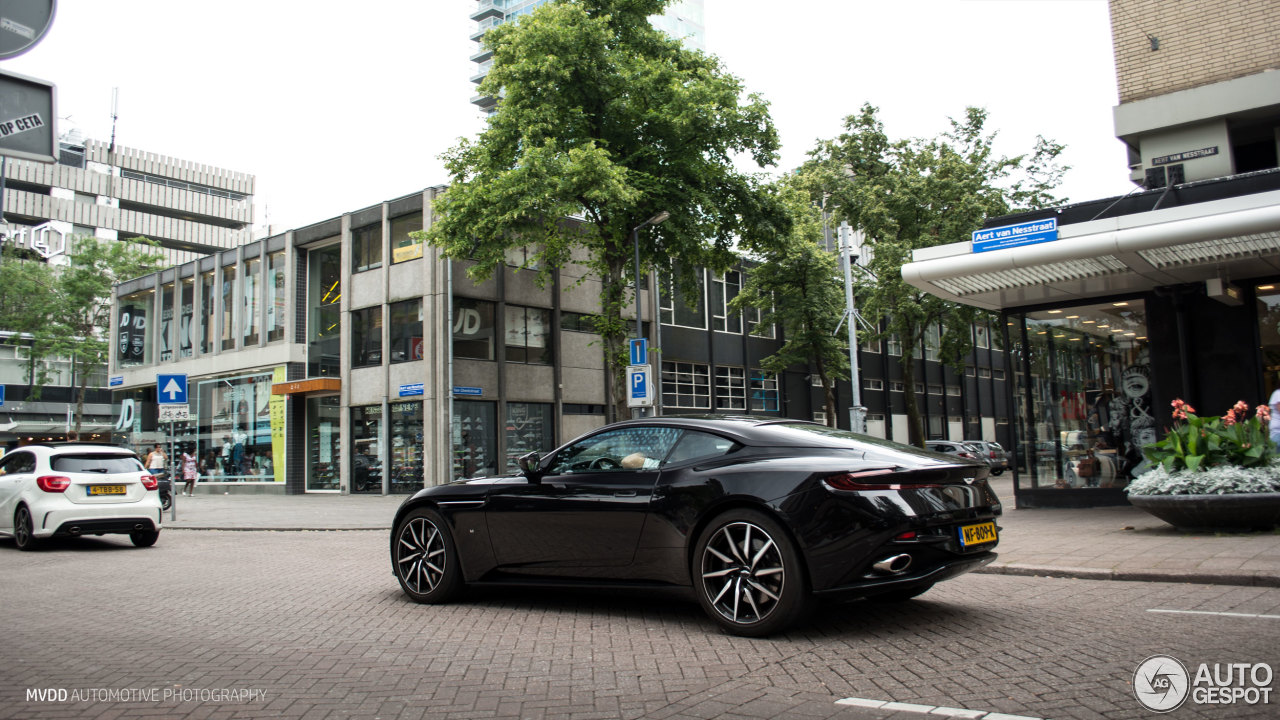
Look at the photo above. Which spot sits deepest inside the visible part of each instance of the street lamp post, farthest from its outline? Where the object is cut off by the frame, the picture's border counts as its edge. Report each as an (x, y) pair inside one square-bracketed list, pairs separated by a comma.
[(635, 243)]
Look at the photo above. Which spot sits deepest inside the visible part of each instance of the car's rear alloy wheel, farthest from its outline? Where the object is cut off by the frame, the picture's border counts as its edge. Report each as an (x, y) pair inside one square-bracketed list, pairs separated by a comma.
[(144, 538), (426, 562), (23, 535), (748, 575)]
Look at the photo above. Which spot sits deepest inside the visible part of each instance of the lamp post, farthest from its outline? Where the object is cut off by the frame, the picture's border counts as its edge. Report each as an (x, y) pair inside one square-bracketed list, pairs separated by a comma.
[(635, 243)]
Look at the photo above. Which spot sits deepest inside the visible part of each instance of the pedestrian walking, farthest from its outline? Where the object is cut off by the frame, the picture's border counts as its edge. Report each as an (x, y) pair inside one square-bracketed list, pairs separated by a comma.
[(156, 461), (189, 471)]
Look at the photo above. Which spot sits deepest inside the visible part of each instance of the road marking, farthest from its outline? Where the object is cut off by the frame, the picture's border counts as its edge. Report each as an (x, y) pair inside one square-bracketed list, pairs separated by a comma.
[(930, 710), (1223, 614)]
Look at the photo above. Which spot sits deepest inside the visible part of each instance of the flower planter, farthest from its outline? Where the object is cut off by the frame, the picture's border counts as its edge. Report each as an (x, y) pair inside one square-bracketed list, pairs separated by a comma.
[(1234, 511)]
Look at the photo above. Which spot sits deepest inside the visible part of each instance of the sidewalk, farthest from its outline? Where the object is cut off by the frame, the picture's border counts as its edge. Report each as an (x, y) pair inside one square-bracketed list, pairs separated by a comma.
[(1111, 543)]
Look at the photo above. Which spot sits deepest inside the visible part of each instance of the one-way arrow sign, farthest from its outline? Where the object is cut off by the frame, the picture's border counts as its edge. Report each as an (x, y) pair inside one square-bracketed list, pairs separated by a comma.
[(171, 389)]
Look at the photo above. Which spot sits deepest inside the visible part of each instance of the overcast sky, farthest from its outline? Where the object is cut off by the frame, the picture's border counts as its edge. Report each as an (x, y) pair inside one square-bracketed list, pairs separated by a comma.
[(336, 106)]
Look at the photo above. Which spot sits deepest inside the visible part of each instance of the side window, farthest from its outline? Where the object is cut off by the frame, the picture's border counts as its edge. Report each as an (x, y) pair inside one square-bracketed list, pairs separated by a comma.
[(696, 445), (627, 449), (18, 462)]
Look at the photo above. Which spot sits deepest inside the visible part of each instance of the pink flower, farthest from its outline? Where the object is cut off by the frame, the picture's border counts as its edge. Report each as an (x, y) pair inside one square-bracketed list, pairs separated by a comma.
[(1264, 413), (1180, 409), (1229, 419), (1241, 407)]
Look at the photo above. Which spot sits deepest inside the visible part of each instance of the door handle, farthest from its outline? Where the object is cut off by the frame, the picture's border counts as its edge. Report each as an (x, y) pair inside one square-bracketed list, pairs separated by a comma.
[(624, 493)]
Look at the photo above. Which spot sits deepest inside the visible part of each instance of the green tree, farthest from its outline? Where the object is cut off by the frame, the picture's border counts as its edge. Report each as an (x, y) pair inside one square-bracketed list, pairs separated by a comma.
[(66, 310), (795, 285), (601, 116), (910, 194)]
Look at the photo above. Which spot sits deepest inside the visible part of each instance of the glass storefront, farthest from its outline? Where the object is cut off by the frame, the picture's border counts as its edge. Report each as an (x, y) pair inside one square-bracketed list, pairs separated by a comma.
[(324, 325), (528, 427), (475, 442), (1082, 393), (366, 462), (234, 430), (406, 442), (133, 345), (324, 443)]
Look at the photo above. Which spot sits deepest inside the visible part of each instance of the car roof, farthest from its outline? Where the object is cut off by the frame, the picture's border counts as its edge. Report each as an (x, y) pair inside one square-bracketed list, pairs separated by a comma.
[(76, 447), (762, 431)]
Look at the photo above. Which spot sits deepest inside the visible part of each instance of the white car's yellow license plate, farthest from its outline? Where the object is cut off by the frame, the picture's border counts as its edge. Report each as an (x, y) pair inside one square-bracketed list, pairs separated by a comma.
[(107, 490), (977, 534)]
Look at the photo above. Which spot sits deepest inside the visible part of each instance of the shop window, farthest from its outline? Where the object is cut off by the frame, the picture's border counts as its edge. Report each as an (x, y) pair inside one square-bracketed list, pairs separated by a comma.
[(186, 341), (208, 313), (475, 444), (679, 307), (167, 328), (686, 385), (527, 335), (404, 246), (324, 447), (133, 346), (529, 427), (366, 455), (472, 329), (252, 299), (724, 289), (764, 391), (366, 337), (234, 424), (731, 388), (366, 248), (406, 443), (277, 298), (324, 321), (229, 305), (406, 331)]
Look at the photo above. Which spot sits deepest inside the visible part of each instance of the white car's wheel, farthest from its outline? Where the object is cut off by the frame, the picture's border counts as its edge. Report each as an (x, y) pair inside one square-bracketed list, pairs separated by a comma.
[(23, 534)]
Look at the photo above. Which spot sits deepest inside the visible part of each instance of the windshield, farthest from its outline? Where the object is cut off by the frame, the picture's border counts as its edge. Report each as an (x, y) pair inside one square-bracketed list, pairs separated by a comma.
[(96, 463)]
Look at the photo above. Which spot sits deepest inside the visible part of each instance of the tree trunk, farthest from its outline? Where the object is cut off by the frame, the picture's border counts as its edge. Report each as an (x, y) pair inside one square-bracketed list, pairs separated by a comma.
[(613, 306)]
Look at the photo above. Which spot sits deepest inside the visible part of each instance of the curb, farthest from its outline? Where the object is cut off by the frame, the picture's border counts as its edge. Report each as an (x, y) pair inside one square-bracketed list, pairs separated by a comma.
[(1198, 578)]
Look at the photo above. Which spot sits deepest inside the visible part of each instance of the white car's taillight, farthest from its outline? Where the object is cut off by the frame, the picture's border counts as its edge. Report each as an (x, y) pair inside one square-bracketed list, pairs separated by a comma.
[(53, 483), (149, 481)]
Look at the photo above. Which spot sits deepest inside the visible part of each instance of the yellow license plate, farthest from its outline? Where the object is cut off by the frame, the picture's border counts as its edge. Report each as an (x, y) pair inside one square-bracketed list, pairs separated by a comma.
[(106, 490), (977, 534)]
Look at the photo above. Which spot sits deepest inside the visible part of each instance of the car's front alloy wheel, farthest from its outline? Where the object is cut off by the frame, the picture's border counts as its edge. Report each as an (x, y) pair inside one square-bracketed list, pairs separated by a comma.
[(748, 575), (426, 563), (23, 534)]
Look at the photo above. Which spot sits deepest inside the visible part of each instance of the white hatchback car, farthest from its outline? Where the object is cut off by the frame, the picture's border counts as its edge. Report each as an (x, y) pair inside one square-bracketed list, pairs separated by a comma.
[(74, 489)]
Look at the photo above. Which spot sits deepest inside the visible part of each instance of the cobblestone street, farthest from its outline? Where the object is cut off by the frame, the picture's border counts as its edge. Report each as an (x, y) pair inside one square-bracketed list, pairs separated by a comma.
[(212, 624)]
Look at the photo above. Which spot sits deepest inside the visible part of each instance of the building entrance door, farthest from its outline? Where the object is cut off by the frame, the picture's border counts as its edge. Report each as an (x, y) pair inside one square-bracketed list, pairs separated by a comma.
[(324, 443)]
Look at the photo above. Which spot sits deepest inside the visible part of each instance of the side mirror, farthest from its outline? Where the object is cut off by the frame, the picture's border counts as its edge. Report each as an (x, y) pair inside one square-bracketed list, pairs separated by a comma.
[(529, 465)]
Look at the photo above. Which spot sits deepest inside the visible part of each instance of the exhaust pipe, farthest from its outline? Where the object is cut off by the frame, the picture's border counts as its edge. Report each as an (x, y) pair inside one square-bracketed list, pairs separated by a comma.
[(895, 565), (139, 527), (74, 531)]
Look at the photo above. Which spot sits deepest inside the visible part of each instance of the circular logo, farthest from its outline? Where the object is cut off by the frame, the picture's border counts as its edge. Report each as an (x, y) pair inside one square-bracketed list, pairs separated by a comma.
[(1161, 683)]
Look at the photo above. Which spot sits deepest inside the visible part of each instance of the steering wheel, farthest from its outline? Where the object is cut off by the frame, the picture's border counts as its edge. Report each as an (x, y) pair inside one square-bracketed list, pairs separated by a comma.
[(604, 463)]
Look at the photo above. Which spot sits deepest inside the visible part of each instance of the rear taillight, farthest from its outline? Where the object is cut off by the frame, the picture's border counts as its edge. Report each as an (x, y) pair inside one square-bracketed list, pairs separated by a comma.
[(872, 479), (908, 535), (149, 481), (53, 483), (993, 454), (964, 454)]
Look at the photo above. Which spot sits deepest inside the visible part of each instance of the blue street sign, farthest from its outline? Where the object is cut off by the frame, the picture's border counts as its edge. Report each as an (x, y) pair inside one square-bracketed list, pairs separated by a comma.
[(639, 386), (117, 380), (171, 389), (411, 389), (1027, 233), (464, 390), (1, 395), (639, 351)]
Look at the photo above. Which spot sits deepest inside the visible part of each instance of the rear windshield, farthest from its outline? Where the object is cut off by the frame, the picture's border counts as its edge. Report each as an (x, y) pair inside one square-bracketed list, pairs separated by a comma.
[(95, 462)]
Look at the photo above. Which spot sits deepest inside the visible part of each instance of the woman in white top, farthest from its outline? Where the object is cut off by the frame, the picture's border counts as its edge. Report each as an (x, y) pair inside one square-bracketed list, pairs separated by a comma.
[(156, 460)]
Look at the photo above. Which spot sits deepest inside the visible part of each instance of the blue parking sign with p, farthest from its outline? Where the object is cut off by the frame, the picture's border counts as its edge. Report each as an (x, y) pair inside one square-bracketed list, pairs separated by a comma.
[(639, 386)]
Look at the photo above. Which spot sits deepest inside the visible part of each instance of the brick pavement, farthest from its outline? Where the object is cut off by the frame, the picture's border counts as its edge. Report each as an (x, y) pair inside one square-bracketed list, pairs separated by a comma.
[(316, 621), (1097, 543)]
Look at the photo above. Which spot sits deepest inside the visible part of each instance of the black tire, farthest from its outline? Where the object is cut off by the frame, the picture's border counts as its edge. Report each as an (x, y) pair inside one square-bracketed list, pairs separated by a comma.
[(747, 574), (902, 595), (144, 538), (425, 559), (997, 471), (23, 534), (166, 501)]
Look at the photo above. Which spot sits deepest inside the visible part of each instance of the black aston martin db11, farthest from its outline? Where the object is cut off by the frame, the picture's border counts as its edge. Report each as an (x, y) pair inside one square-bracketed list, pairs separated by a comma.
[(755, 516)]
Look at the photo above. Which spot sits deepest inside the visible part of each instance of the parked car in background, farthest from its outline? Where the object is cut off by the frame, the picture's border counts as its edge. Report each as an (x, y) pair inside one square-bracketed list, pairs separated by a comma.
[(993, 453), (954, 447), (74, 489), (754, 517)]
